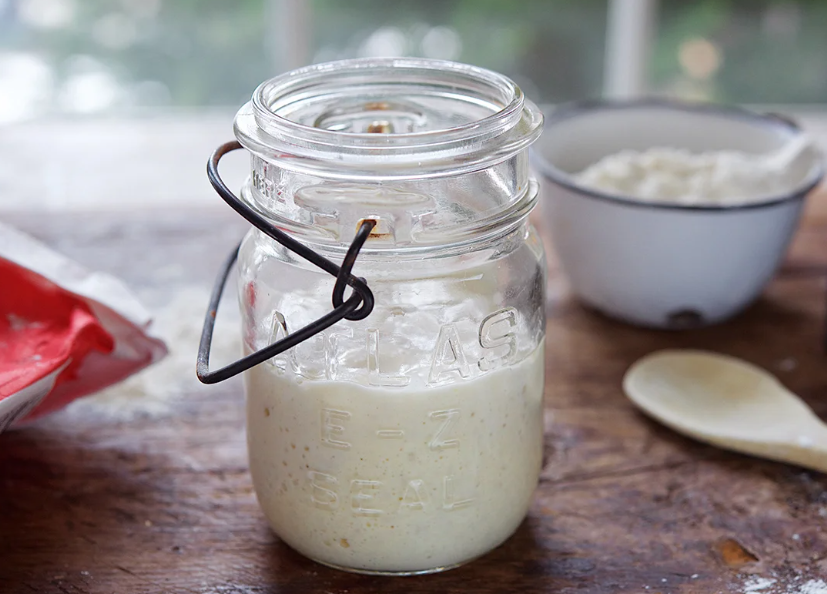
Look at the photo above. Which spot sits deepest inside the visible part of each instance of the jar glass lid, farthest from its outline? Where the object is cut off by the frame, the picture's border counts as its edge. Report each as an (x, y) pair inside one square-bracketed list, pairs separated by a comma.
[(388, 118)]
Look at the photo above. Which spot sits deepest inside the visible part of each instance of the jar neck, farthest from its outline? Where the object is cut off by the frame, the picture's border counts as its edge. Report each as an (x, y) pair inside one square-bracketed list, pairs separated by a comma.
[(409, 214), (468, 252)]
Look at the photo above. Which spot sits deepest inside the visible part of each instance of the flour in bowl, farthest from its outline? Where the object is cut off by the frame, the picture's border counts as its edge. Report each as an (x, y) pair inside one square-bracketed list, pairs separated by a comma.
[(678, 176)]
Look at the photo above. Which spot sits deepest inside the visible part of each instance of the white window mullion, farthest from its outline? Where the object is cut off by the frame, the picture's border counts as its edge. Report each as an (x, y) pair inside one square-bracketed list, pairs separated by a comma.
[(629, 34), (288, 33)]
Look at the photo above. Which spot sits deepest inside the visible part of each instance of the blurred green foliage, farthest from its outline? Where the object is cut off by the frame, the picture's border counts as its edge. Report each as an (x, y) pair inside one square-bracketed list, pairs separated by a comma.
[(214, 52), (773, 51)]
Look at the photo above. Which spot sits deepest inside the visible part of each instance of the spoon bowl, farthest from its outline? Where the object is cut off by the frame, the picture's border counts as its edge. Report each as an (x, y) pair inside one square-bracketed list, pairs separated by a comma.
[(729, 403)]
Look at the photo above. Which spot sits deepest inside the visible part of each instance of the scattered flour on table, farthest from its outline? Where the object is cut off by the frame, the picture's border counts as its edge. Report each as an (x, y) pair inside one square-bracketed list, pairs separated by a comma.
[(813, 587), (759, 585), (152, 392)]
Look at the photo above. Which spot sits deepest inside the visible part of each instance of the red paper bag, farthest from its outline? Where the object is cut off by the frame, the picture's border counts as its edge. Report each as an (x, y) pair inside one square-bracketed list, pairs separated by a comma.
[(65, 332)]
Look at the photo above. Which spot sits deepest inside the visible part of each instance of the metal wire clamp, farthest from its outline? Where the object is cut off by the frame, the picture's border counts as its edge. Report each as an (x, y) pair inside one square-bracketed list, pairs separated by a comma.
[(357, 307)]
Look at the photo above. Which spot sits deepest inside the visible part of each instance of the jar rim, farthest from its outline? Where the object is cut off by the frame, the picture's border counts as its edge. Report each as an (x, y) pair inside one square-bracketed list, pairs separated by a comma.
[(510, 124)]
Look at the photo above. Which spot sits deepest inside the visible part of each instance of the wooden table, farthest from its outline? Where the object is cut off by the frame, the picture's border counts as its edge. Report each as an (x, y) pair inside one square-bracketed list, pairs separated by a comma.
[(624, 505)]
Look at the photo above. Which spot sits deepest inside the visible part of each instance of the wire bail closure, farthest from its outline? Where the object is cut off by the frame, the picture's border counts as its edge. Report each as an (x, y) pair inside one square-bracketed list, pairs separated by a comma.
[(357, 307)]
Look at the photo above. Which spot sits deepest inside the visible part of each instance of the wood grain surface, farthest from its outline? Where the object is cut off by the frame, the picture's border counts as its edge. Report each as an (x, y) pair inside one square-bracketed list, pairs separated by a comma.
[(624, 505)]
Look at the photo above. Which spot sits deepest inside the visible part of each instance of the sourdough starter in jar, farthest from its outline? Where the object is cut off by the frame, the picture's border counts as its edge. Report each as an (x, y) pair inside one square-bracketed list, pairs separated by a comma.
[(408, 441), (406, 479)]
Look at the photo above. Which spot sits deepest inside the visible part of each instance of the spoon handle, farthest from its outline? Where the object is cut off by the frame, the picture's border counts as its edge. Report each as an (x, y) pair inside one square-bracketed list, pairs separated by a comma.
[(807, 448), (789, 152), (810, 450)]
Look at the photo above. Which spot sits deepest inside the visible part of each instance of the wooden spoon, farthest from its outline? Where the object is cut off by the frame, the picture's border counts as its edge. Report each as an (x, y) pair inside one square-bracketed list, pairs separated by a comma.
[(729, 403)]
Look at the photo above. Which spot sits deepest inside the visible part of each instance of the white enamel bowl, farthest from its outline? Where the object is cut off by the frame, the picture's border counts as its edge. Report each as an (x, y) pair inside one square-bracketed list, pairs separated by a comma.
[(664, 265)]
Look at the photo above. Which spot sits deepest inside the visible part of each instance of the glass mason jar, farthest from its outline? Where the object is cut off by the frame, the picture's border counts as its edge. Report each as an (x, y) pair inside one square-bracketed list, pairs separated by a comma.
[(409, 441)]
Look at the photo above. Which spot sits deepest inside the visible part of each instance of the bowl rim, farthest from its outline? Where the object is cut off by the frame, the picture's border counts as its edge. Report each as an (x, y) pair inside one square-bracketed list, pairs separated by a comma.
[(572, 109)]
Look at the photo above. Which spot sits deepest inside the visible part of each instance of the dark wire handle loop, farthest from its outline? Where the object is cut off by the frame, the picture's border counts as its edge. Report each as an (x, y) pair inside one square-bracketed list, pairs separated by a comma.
[(362, 235), (357, 307), (266, 227)]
